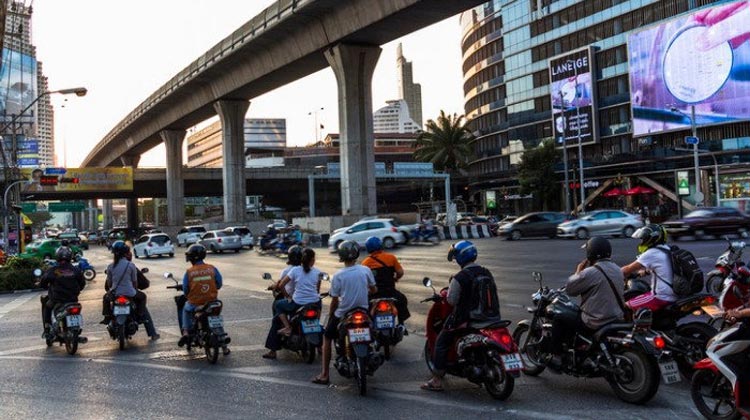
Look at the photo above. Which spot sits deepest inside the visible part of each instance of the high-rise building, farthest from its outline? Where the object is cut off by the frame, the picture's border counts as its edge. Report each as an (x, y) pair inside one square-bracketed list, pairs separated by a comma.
[(45, 122), (508, 47), (408, 90), (265, 136), (394, 118)]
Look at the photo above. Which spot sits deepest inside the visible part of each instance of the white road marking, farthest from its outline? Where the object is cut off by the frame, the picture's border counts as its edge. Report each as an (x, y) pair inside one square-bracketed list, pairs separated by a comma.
[(17, 302)]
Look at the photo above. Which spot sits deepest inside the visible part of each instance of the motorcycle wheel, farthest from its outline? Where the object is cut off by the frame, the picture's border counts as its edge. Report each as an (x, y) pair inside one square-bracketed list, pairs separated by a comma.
[(121, 336), (212, 352), (89, 274), (71, 343), (532, 364), (715, 284), (361, 376), (49, 341), (698, 333), (638, 378), (712, 395), (502, 386)]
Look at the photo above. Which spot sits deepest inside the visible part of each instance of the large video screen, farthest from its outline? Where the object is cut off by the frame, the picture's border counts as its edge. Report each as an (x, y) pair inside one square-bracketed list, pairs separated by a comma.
[(17, 86), (699, 60), (572, 95)]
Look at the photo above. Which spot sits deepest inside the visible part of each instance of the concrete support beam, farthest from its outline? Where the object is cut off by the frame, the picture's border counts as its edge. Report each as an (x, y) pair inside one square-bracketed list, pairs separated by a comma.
[(130, 160), (175, 182), (132, 209), (93, 222), (353, 66), (232, 115), (107, 214)]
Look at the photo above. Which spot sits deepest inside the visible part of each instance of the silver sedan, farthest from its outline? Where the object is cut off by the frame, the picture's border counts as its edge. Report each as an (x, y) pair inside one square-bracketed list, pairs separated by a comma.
[(220, 241), (601, 223)]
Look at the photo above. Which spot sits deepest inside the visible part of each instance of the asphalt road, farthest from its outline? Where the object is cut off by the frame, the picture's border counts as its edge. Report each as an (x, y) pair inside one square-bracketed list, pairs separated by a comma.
[(159, 380)]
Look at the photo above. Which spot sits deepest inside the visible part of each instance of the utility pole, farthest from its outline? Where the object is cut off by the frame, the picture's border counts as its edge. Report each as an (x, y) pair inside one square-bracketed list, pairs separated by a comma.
[(566, 186)]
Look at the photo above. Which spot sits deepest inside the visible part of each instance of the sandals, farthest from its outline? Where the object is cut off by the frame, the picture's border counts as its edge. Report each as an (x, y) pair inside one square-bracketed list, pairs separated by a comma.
[(429, 386), (269, 355), (319, 381)]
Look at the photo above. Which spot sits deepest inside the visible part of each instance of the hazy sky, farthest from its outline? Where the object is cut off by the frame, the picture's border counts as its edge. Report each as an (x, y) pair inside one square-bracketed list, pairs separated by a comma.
[(122, 51)]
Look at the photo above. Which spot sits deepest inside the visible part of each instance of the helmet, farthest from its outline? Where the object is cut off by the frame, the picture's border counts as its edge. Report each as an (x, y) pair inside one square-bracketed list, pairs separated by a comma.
[(348, 251), (120, 248), (597, 248), (63, 254), (294, 255), (650, 236), (463, 252), (195, 253), (743, 275), (373, 244)]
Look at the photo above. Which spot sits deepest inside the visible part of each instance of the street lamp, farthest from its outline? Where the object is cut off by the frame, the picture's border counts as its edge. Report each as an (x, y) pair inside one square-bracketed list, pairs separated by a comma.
[(698, 194)]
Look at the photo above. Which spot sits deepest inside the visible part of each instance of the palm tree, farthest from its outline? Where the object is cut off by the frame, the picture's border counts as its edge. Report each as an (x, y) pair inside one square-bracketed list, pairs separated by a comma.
[(445, 142)]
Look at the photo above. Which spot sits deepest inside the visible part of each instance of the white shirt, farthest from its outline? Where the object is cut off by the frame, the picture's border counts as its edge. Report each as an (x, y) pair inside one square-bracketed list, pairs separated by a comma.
[(305, 285), (660, 265), (289, 286), (351, 285)]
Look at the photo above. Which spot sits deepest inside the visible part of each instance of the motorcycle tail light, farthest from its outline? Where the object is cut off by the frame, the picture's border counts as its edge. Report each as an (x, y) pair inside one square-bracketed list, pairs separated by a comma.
[(311, 313), (383, 306), (708, 300), (74, 310), (359, 318), (506, 340), (121, 300), (659, 342)]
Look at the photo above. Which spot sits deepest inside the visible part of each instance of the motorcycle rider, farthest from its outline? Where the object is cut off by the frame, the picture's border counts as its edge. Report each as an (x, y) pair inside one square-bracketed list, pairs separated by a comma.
[(735, 300), (200, 285), (599, 282), (64, 282), (148, 322), (461, 297), (654, 258), (349, 290), (294, 259), (387, 271), (122, 280), (306, 280)]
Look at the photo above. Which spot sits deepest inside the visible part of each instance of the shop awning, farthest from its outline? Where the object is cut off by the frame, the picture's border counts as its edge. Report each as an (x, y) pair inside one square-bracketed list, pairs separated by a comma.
[(614, 192), (640, 190)]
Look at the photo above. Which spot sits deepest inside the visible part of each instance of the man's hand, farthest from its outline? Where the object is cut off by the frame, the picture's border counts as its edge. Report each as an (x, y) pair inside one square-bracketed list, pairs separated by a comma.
[(582, 266)]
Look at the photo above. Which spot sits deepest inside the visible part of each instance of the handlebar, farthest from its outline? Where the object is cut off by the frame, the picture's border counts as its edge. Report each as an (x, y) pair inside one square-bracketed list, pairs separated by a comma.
[(176, 287)]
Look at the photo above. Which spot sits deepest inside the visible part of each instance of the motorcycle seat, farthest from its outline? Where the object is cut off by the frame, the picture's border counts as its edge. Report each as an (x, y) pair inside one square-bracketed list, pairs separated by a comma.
[(680, 302), (491, 324), (609, 328), (208, 305)]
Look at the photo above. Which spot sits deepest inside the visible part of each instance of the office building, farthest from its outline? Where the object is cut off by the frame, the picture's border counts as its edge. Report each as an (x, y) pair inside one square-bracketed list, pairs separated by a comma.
[(263, 138), (408, 90), (394, 118)]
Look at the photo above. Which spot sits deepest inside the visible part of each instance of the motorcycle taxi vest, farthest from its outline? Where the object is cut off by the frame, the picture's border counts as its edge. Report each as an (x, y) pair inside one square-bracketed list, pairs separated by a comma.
[(201, 284)]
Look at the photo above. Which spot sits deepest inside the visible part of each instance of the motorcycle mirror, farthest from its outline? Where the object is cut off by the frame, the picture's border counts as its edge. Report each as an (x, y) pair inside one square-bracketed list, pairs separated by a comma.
[(537, 276), (267, 276), (325, 277), (37, 272), (168, 275), (144, 270), (427, 282)]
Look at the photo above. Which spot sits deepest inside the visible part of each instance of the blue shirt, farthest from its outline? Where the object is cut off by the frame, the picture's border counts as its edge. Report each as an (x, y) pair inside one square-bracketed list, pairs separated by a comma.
[(186, 283)]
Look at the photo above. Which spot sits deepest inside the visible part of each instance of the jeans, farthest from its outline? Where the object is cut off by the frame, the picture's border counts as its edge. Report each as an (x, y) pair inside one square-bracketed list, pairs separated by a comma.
[(273, 341), (148, 323), (442, 346), (187, 316), (563, 331)]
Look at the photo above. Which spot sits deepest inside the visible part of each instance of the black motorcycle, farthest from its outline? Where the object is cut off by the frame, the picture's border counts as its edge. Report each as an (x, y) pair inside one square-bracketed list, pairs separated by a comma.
[(124, 323), (355, 349), (208, 325), (67, 323), (628, 355)]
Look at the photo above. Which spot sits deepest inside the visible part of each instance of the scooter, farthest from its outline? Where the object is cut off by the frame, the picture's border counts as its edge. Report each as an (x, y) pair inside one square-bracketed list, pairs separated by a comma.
[(725, 266), (421, 234), (124, 323), (387, 332), (67, 323), (82, 263)]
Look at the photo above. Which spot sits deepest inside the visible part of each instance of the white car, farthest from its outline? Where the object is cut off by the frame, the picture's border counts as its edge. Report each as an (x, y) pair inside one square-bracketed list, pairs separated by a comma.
[(244, 233), (153, 244), (190, 235), (388, 230)]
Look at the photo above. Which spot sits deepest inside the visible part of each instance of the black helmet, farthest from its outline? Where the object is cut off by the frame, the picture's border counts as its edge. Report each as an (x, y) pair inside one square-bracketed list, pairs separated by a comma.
[(120, 248), (195, 253), (348, 251), (650, 236), (597, 248), (294, 255), (63, 254)]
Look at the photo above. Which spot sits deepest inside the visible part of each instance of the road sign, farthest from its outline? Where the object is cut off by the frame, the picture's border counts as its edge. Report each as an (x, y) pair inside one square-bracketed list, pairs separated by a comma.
[(28, 207), (55, 171), (691, 140), (67, 207), (683, 185), (491, 199)]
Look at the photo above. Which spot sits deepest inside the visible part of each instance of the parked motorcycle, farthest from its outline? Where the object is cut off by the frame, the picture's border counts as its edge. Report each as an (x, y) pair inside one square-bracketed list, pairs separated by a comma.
[(307, 333), (486, 356), (387, 331), (714, 385), (726, 264), (67, 324), (355, 349), (685, 340), (208, 325), (628, 355), (82, 263), (124, 323)]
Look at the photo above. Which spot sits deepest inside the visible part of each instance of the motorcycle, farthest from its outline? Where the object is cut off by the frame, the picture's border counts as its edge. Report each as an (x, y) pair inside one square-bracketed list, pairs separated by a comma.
[(356, 357), (124, 323), (67, 323), (421, 234), (307, 333), (82, 263), (387, 332), (486, 356), (208, 325), (713, 388), (687, 340), (726, 264), (628, 355)]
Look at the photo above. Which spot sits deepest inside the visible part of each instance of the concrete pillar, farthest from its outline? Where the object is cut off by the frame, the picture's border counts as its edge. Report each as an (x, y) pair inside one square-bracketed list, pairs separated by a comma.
[(175, 183), (353, 66), (93, 213), (130, 160), (107, 214), (232, 115), (132, 209), (156, 211)]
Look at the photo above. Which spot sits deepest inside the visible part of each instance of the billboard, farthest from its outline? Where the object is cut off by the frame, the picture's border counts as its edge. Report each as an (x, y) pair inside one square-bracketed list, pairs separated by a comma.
[(79, 179), (700, 60), (572, 95), (17, 86)]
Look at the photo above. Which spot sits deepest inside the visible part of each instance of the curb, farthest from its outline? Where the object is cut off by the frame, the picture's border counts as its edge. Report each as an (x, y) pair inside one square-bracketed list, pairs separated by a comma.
[(15, 292)]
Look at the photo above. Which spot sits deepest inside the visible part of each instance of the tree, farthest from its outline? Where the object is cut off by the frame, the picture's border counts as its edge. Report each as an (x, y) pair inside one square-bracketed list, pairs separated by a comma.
[(536, 173), (39, 219), (445, 142)]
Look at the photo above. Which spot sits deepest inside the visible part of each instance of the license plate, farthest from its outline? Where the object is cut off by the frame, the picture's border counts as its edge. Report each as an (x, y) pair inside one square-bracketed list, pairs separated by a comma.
[(359, 335), (74, 320), (512, 362), (310, 326), (121, 310), (669, 372), (215, 321), (712, 310), (383, 321)]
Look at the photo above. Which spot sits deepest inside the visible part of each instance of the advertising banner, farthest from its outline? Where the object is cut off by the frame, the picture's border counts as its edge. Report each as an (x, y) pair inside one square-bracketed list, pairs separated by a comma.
[(80, 179), (572, 95), (17, 86), (683, 183), (700, 60)]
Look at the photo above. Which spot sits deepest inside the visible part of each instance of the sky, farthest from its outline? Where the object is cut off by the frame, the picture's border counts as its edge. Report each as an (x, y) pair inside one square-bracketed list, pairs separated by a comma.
[(122, 51)]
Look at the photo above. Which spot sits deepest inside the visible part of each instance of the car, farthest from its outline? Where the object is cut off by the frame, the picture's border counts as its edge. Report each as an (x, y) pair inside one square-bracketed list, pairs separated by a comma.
[(74, 239), (121, 234), (45, 249), (278, 224), (244, 233), (505, 220), (709, 221), (601, 223), (220, 241), (388, 230), (532, 225), (93, 237), (152, 244), (189, 235)]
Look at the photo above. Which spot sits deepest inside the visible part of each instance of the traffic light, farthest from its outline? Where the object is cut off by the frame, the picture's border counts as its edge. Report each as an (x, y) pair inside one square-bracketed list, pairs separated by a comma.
[(48, 180), (69, 180)]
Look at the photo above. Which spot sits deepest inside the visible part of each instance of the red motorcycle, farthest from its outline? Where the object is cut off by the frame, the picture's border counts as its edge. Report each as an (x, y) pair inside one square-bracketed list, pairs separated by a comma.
[(486, 356), (725, 267)]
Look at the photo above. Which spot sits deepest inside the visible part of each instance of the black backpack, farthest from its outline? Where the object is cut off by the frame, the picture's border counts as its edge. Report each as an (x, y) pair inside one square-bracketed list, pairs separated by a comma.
[(687, 277), (485, 305)]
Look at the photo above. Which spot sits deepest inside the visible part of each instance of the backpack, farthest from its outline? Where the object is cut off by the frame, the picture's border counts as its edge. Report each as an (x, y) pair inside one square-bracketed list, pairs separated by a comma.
[(687, 277), (484, 303)]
